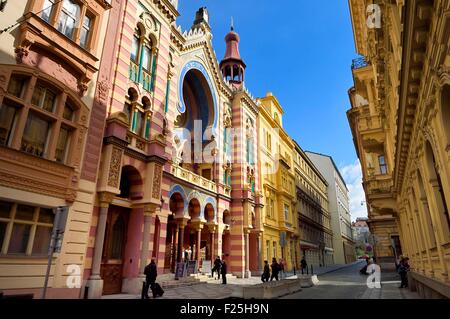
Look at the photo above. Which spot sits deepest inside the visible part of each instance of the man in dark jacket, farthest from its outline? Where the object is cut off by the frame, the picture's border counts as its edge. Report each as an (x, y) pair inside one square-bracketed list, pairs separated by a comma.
[(403, 271), (217, 265), (303, 264), (275, 269), (150, 273), (223, 270)]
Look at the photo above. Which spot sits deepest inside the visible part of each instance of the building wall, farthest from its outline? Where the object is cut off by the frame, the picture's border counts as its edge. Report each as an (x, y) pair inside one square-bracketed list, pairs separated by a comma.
[(408, 190), (23, 51), (339, 208)]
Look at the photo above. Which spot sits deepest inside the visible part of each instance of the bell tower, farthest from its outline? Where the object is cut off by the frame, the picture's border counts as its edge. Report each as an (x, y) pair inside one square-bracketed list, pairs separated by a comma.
[(232, 65)]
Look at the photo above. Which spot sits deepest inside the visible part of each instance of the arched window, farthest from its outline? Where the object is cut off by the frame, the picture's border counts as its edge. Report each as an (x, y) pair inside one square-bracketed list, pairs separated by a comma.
[(135, 45), (51, 117), (142, 60), (436, 185)]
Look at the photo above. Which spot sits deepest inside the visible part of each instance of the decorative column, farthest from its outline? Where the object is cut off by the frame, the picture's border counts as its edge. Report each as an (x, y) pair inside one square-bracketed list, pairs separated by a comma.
[(148, 212), (175, 245), (212, 229), (95, 282), (199, 238), (260, 254), (182, 224), (247, 253)]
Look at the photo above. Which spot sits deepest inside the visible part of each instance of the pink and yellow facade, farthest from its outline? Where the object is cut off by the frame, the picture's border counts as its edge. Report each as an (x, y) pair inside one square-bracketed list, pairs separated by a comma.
[(111, 110)]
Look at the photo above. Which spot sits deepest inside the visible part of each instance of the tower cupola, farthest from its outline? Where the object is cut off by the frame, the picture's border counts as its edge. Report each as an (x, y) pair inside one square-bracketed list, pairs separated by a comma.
[(232, 65)]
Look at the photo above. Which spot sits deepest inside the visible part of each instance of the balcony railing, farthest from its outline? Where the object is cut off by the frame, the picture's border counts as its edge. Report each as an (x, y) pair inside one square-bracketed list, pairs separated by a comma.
[(359, 63), (193, 178)]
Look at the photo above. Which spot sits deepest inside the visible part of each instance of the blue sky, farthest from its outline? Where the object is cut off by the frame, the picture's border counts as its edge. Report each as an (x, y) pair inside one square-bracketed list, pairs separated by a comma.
[(301, 51)]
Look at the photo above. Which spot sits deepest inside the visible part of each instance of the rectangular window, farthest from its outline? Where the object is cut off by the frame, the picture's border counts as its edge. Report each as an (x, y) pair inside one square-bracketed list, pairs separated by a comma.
[(85, 30), (69, 15), (135, 49), (274, 249), (68, 112), (47, 10), (16, 85), (31, 229), (383, 166), (44, 98), (63, 145), (7, 118), (267, 249), (146, 59), (286, 213), (19, 238), (41, 241), (35, 135)]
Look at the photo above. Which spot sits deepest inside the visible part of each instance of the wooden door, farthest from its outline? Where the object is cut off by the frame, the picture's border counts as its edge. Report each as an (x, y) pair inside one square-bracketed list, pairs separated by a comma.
[(113, 250)]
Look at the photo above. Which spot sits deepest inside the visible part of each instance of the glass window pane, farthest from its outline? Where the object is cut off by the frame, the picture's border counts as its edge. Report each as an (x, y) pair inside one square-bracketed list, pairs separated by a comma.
[(34, 138), (41, 240), (7, 116), (47, 10), (46, 215), (5, 209), (68, 112), (135, 48), (62, 21), (70, 27), (38, 95), (2, 232), (16, 85), (24, 212), (49, 101), (146, 59), (139, 121), (62, 146), (19, 239)]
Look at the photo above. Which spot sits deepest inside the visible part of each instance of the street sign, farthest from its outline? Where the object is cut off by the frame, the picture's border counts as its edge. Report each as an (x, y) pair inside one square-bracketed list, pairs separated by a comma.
[(206, 267), (180, 270), (59, 227), (191, 267)]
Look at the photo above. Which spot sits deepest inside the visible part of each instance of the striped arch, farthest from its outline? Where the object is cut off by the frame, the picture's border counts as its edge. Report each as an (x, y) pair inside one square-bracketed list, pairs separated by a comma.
[(213, 202), (179, 189)]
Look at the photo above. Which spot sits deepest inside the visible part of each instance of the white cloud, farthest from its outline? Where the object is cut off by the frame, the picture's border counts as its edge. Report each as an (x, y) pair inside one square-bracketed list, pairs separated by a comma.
[(353, 178)]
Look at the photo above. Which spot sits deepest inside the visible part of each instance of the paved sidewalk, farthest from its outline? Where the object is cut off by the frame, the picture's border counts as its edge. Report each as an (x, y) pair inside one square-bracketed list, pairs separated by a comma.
[(348, 283)]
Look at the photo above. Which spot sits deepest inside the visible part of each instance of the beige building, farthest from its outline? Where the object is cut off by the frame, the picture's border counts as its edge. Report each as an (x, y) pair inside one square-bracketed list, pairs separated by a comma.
[(314, 220), (339, 210), (49, 64), (400, 119)]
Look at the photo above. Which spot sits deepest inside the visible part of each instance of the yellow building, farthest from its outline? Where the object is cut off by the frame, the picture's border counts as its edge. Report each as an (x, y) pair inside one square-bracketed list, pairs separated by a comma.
[(280, 239), (400, 121)]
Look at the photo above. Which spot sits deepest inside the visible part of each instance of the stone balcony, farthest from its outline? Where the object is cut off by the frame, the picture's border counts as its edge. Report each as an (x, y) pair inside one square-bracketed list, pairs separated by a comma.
[(193, 178), (380, 191), (368, 123)]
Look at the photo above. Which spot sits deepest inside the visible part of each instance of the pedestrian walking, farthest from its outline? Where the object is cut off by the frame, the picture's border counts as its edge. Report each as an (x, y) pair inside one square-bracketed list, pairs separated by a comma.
[(303, 264), (217, 266), (403, 271), (266, 273), (151, 273), (282, 268), (275, 269), (223, 270)]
